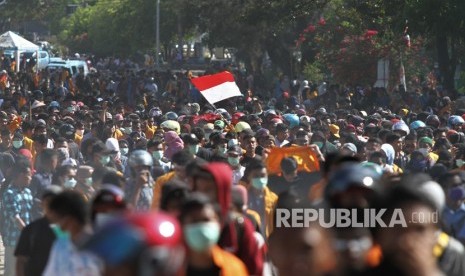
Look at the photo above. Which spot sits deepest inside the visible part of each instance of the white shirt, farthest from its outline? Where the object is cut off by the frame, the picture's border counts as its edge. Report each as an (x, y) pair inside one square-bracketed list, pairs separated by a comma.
[(237, 175), (66, 260)]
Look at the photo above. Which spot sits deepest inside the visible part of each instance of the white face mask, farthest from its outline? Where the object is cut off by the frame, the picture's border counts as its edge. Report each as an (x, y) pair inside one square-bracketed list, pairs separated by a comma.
[(70, 183)]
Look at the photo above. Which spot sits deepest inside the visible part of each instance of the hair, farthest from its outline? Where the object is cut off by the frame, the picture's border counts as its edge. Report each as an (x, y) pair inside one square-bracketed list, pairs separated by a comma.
[(70, 203), (195, 202), (248, 137), (60, 172), (61, 140), (392, 137), (281, 128), (383, 133), (46, 156), (194, 166), (254, 165), (198, 132), (412, 136), (173, 190), (28, 125), (112, 176), (21, 165), (41, 139), (154, 143), (182, 158), (378, 154), (98, 175), (375, 140)]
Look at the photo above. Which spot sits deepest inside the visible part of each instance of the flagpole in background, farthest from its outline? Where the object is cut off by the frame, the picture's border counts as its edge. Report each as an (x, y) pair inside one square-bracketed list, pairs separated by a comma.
[(157, 40), (406, 39)]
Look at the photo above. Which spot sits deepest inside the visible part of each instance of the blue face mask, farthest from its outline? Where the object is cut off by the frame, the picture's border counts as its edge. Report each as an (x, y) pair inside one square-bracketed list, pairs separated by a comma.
[(105, 160), (259, 183), (17, 144), (193, 149), (59, 233), (222, 150), (124, 151), (233, 161), (89, 181), (459, 163), (201, 236), (70, 183), (157, 155)]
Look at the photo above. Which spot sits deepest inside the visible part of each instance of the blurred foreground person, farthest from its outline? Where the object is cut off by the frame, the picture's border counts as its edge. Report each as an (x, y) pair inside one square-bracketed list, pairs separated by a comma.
[(301, 251), (237, 233), (201, 228), (140, 245), (68, 211), (407, 249), (36, 239)]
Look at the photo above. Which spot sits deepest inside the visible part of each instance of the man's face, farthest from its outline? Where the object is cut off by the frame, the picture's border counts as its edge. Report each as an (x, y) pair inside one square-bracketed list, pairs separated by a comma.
[(282, 135), (207, 187), (372, 147), (257, 174), (410, 146), (400, 243), (308, 252), (6, 139), (302, 141), (397, 145), (425, 146), (251, 144), (23, 179)]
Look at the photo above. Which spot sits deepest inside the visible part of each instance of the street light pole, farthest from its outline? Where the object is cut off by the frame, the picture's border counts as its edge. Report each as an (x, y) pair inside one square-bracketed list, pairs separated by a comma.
[(157, 55)]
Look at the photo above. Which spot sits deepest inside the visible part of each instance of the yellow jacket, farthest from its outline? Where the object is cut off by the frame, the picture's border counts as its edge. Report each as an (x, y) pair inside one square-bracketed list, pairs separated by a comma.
[(270, 203), (270, 199), (229, 264), (161, 181), (149, 132)]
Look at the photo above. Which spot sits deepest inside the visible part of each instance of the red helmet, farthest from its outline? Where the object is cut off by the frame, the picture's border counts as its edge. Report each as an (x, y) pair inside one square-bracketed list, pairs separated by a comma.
[(153, 240), (236, 117)]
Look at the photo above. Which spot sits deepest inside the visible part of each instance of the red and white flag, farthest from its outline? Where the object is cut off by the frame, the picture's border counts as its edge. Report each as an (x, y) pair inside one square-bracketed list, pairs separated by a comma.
[(217, 87)]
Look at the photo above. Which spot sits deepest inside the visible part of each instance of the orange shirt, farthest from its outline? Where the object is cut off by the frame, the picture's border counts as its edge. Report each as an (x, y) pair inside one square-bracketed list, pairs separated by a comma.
[(161, 181)]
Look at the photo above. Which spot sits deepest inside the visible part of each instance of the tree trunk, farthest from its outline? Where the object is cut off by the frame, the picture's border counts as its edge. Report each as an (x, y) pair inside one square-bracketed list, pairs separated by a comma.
[(444, 61)]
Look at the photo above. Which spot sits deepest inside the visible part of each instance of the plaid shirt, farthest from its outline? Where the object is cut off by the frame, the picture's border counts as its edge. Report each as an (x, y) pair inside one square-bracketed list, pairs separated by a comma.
[(16, 202)]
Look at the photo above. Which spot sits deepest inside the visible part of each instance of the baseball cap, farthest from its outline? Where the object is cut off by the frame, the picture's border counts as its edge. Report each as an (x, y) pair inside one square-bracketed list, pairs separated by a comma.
[(350, 147)]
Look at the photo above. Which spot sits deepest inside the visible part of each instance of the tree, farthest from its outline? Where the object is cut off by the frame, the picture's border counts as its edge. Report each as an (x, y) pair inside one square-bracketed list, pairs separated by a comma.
[(445, 23)]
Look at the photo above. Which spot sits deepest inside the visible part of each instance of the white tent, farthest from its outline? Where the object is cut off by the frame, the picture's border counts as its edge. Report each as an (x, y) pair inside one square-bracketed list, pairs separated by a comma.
[(12, 41)]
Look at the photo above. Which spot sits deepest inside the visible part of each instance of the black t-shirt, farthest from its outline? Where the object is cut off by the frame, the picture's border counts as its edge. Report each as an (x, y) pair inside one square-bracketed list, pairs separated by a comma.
[(35, 242), (301, 184), (246, 160), (205, 154), (212, 271)]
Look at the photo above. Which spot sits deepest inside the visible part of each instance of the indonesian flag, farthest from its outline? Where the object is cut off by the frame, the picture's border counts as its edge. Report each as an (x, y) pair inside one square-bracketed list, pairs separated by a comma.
[(217, 87)]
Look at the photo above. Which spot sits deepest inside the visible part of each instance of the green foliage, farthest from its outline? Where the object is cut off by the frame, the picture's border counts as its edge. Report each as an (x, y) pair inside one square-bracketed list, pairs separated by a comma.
[(121, 27), (313, 72)]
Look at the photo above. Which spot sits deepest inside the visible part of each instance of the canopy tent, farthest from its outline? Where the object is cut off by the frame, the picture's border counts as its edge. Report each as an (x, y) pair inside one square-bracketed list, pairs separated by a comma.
[(12, 41)]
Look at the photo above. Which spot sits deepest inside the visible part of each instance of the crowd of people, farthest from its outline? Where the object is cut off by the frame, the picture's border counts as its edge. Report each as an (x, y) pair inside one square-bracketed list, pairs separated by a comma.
[(129, 171)]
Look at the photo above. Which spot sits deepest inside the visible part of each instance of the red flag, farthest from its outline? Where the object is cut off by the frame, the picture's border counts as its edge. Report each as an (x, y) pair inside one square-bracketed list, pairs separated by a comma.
[(205, 117), (217, 87)]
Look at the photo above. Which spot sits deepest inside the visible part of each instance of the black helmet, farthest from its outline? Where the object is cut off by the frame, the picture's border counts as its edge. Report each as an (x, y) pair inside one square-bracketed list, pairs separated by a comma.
[(37, 94), (67, 131)]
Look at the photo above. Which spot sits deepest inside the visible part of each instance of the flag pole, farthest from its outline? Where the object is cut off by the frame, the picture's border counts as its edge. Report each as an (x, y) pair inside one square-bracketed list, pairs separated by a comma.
[(231, 126)]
